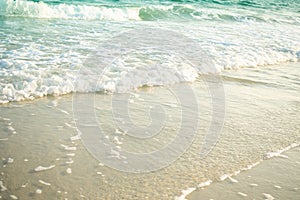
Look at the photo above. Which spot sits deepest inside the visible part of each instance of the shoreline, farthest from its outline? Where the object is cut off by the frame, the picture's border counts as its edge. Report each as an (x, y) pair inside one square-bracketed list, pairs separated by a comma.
[(194, 193), (279, 180), (39, 147), (218, 74)]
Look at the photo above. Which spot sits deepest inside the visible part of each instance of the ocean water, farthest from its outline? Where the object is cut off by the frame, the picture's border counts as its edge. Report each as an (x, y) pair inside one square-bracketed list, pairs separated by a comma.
[(185, 93), (45, 43)]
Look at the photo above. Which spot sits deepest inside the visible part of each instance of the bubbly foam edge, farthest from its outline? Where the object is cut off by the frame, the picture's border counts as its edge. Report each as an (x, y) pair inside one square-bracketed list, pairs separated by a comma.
[(188, 191)]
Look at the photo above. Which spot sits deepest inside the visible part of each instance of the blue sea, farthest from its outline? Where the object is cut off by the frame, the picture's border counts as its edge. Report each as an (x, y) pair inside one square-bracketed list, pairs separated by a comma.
[(45, 43)]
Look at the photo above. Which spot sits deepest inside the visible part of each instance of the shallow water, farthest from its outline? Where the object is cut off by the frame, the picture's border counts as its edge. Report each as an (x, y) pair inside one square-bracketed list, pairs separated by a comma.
[(277, 178), (262, 115)]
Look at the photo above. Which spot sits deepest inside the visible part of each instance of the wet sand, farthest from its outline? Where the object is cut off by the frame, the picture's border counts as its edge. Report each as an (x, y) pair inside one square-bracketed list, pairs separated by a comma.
[(276, 178), (41, 158)]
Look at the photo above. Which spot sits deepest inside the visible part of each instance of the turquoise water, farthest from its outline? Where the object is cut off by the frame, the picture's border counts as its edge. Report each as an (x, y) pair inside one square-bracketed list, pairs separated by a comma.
[(155, 10), (45, 43)]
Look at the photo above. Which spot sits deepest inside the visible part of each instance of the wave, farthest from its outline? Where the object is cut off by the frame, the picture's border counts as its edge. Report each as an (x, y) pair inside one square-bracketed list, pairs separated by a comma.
[(40, 68), (23, 8), (42, 74), (25, 85)]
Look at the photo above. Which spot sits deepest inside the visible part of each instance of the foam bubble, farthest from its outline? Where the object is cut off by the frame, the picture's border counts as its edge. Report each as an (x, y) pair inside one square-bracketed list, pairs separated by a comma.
[(233, 180), (76, 137), (268, 196), (70, 161), (68, 148), (41, 168), (38, 191), (69, 170), (44, 183), (279, 152), (204, 184), (184, 194), (242, 194), (10, 160), (2, 187), (13, 196)]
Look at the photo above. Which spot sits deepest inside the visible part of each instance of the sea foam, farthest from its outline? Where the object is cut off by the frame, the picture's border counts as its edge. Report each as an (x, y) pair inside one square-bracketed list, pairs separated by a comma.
[(38, 67)]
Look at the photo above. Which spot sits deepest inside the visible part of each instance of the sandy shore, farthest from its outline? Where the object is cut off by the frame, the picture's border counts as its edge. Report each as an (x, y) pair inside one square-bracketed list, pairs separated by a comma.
[(276, 178), (41, 158)]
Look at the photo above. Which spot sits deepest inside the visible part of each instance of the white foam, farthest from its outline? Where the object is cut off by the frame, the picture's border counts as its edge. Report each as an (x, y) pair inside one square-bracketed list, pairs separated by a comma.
[(117, 131), (184, 194), (170, 105), (13, 196), (124, 75), (117, 140), (64, 111), (69, 170), (204, 184), (70, 161), (25, 80), (44, 183), (65, 11), (11, 128), (275, 154), (268, 196), (242, 194), (38, 191), (69, 125), (3, 139), (224, 177), (68, 148), (2, 187), (279, 152), (10, 160), (115, 154), (3, 101), (41, 168), (253, 184), (76, 137), (233, 180)]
